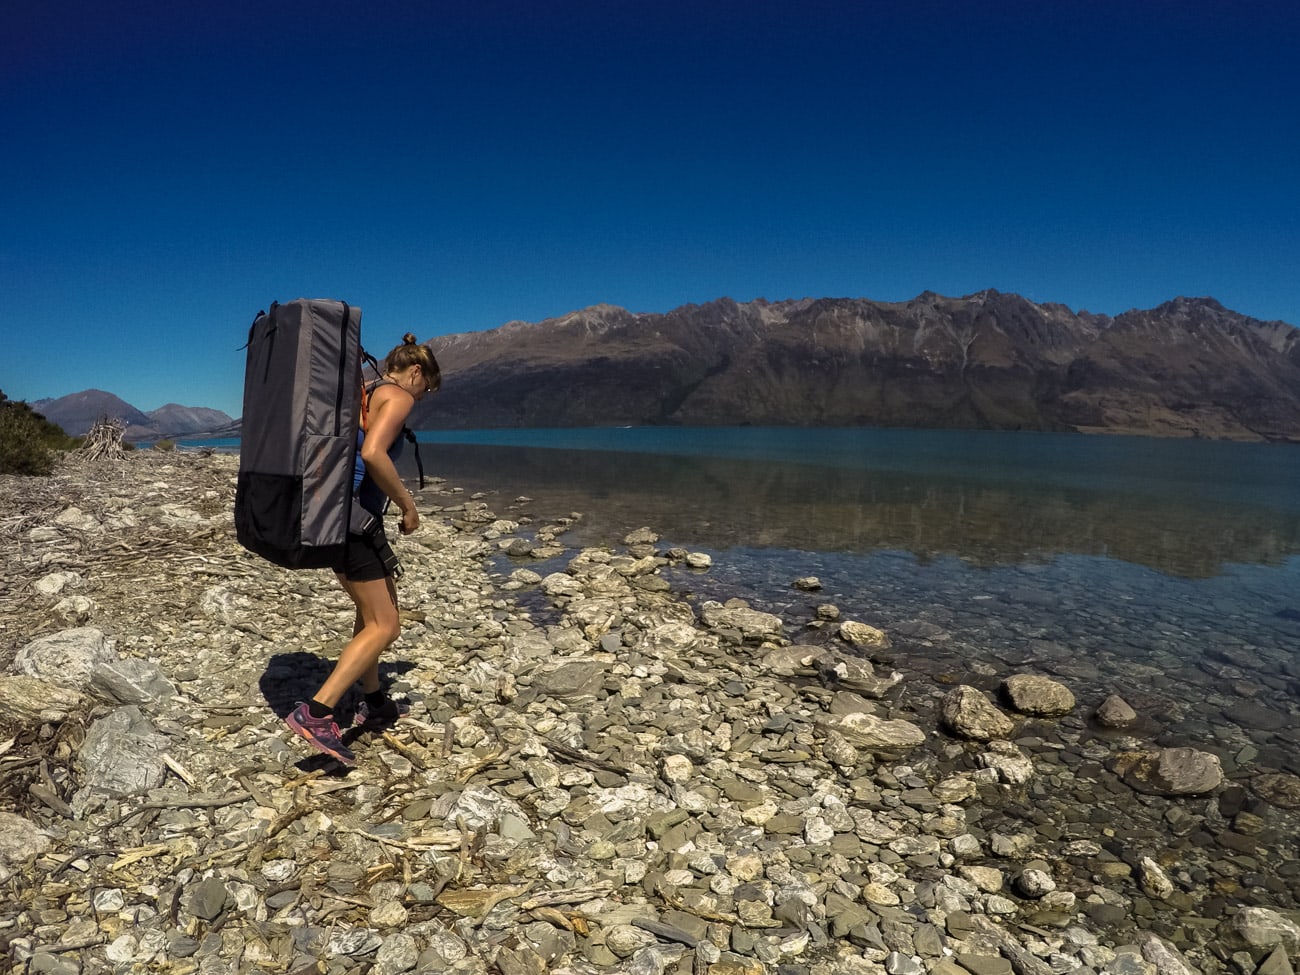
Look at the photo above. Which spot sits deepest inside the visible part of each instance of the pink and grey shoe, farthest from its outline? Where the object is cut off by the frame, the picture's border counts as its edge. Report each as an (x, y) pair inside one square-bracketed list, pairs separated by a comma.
[(381, 718), (321, 733)]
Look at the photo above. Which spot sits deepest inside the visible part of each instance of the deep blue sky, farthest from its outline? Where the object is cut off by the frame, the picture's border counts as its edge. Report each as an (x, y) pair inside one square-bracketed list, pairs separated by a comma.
[(168, 168)]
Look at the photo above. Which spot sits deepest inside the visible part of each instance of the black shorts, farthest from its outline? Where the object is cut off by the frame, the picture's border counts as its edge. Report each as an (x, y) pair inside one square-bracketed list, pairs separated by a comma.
[(367, 558)]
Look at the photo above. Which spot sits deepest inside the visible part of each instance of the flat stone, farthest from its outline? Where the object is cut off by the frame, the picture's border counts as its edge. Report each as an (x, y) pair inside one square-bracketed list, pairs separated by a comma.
[(1170, 771), (985, 964), (207, 898)]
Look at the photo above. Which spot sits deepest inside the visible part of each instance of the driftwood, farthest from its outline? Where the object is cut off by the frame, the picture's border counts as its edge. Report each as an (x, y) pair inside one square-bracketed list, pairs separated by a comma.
[(104, 441)]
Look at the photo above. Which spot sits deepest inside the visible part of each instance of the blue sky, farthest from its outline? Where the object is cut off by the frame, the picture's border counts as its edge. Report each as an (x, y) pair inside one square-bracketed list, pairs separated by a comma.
[(170, 168)]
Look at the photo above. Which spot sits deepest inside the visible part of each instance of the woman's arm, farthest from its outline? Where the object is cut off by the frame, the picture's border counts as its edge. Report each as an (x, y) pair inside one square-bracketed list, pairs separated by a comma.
[(389, 408)]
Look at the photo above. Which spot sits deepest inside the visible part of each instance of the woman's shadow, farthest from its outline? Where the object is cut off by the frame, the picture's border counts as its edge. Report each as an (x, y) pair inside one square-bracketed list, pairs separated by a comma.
[(291, 678)]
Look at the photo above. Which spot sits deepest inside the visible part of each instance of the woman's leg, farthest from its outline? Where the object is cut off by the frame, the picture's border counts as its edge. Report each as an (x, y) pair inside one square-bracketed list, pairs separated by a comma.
[(375, 629)]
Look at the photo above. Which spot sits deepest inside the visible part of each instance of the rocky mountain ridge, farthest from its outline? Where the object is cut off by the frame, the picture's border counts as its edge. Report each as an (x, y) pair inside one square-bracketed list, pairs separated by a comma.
[(989, 360)]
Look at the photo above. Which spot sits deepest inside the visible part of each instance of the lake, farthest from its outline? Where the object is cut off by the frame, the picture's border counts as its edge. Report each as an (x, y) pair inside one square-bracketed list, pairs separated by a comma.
[(1167, 571)]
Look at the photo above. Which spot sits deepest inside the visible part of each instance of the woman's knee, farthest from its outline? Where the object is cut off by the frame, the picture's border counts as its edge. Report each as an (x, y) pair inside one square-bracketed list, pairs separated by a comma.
[(386, 626)]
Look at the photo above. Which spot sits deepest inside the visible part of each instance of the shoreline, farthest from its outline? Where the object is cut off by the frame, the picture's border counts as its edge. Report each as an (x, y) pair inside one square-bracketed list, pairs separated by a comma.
[(616, 780)]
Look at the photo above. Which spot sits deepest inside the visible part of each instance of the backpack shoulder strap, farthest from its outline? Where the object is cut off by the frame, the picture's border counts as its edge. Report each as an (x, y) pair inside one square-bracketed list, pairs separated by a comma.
[(367, 390)]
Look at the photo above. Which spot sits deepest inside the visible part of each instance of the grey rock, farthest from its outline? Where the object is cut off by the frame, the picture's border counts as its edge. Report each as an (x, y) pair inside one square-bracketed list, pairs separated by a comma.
[(67, 658), (121, 756), (519, 547), (1038, 695), (21, 841), (866, 731), (626, 940), (181, 945), (1011, 764), (862, 636), (399, 953), (796, 658), (1153, 880), (1276, 963), (897, 963), (1114, 712), (56, 582), (33, 700), (1167, 959), (1170, 771), (572, 679), (1035, 883), (357, 941), (669, 932), (984, 964), (1279, 788), (968, 713), (1128, 961), (130, 681), (1262, 927), (48, 963), (750, 623), (207, 898), (75, 610)]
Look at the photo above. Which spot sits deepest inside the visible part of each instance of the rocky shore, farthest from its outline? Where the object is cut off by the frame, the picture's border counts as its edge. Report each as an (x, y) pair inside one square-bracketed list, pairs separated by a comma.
[(598, 774)]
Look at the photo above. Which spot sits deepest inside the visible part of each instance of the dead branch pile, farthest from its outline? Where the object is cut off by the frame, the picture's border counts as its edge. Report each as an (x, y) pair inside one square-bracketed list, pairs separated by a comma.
[(104, 441)]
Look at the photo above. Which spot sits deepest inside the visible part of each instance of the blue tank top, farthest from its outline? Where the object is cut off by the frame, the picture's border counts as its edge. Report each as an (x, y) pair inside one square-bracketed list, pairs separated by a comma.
[(371, 496)]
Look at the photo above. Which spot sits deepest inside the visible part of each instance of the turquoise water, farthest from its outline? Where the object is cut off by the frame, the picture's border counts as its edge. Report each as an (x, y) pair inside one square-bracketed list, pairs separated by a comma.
[(1265, 474)]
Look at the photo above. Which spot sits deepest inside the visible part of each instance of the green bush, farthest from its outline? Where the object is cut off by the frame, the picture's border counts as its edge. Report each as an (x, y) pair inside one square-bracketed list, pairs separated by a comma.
[(27, 439), (165, 445)]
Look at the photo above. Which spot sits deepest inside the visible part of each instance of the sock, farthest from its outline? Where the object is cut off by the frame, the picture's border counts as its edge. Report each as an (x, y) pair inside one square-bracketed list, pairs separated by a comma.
[(376, 699), (318, 710)]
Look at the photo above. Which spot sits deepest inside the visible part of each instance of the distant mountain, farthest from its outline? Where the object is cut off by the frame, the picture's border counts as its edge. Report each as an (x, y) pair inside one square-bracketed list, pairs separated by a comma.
[(76, 413), (988, 360), (181, 421)]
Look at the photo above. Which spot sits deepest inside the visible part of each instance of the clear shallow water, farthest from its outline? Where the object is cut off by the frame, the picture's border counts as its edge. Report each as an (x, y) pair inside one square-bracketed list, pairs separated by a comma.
[(1167, 571)]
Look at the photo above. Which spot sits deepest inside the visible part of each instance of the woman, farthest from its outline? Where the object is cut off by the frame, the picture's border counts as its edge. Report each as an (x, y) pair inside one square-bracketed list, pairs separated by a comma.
[(368, 567)]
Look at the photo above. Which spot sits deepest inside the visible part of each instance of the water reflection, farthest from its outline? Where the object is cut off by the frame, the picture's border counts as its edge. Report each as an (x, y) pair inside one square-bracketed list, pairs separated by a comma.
[(720, 502)]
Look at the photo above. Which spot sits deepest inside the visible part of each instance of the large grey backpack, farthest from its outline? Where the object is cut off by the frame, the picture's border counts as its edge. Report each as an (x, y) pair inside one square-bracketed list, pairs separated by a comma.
[(302, 408)]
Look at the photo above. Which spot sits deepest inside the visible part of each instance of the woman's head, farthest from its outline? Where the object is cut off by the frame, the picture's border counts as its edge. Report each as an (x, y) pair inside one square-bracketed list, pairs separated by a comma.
[(414, 362)]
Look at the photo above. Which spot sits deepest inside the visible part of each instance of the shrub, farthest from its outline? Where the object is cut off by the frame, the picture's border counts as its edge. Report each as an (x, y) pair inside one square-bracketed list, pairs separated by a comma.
[(165, 445), (27, 439)]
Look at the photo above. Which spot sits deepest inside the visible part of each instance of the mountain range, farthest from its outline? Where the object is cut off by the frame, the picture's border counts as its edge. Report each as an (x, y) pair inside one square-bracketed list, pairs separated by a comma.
[(78, 412), (990, 360), (1189, 367)]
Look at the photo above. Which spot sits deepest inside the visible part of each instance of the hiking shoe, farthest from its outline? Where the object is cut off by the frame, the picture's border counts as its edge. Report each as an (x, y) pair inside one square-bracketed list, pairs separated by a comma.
[(381, 718), (321, 733)]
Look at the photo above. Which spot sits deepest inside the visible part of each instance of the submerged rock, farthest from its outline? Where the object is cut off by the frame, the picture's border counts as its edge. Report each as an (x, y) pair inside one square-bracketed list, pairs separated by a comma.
[(968, 713), (1038, 695), (863, 636), (1114, 712), (1170, 771)]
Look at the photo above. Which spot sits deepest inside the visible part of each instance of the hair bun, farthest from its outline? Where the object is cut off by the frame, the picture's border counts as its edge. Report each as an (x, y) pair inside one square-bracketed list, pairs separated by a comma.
[(409, 339)]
